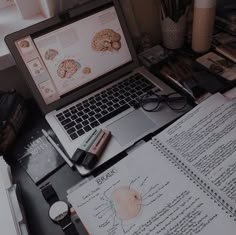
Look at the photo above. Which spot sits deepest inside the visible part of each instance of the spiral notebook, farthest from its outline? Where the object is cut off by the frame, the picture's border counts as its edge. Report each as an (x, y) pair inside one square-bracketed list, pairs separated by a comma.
[(181, 182)]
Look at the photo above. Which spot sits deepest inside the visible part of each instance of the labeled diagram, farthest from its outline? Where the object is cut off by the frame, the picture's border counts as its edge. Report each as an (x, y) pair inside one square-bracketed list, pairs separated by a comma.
[(127, 202), (122, 205)]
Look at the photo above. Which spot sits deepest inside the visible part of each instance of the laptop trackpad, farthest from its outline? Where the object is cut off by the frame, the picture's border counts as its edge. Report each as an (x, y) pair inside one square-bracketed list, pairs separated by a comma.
[(130, 127)]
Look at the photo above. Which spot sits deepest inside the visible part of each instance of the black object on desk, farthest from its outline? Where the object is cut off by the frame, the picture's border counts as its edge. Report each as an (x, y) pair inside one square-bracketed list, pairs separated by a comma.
[(62, 178), (36, 154), (59, 211)]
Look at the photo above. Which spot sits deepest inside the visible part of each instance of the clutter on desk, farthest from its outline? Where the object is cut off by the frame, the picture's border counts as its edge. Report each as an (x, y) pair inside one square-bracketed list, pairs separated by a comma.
[(203, 25), (226, 18), (90, 150), (13, 113), (173, 23), (12, 218), (36, 154), (181, 71), (225, 44), (153, 55), (219, 65)]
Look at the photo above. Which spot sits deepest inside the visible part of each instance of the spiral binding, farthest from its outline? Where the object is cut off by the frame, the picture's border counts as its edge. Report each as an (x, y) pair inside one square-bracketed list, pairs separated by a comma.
[(195, 179)]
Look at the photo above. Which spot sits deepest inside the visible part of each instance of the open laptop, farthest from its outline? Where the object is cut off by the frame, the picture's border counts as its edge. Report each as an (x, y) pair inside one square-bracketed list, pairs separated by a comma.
[(83, 71)]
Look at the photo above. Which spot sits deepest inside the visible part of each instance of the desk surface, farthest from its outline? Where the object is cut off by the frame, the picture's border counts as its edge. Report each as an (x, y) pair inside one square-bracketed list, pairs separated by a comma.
[(36, 208)]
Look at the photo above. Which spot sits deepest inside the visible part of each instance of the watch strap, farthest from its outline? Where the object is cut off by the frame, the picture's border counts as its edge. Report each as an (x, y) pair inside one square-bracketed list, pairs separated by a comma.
[(67, 226), (49, 194), (70, 229)]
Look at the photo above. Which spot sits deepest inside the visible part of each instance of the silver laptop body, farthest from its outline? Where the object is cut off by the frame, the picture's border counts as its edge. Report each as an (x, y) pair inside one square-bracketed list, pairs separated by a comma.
[(77, 55)]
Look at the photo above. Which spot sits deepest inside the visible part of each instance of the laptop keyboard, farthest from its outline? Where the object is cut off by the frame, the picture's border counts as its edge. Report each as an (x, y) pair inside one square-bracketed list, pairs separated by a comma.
[(96, 110)]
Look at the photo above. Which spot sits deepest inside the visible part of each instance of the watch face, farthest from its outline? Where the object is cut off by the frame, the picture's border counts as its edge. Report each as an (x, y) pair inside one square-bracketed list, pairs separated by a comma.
[(58, 211)]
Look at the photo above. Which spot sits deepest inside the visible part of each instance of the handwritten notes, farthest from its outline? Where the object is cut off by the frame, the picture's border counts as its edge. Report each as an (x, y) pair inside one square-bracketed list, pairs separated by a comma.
[(145, 194)]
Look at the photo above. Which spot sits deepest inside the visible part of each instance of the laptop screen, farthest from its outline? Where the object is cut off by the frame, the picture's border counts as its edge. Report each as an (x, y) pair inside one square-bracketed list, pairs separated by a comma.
[(62, 60)]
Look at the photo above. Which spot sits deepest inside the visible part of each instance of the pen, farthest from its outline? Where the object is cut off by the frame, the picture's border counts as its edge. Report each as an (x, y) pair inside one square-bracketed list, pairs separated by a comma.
[(67, 160)]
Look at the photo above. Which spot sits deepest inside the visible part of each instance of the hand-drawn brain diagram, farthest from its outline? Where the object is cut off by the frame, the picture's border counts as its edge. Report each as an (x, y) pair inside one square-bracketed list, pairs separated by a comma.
[(67, 68), (24, 44), (50, 54), (106, 40), (127, 202)]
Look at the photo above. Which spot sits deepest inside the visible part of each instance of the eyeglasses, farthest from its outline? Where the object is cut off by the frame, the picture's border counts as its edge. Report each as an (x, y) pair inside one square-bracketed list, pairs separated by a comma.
[(151, 102)]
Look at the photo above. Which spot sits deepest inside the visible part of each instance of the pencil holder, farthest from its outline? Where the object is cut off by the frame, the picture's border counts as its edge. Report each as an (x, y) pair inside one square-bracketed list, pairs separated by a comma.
[(173, 33)]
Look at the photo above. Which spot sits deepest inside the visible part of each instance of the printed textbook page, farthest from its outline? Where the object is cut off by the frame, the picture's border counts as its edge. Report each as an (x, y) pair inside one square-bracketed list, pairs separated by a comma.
[(205, 141), (146, 194)]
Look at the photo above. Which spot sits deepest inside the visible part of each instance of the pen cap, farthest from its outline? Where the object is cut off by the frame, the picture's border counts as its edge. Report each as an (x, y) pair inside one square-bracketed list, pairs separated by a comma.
[(90, 160), (78, 156)]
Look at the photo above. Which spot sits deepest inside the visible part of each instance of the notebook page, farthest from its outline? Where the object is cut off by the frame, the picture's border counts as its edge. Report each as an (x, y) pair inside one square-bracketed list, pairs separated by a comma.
[(205, 140), (145, 194)]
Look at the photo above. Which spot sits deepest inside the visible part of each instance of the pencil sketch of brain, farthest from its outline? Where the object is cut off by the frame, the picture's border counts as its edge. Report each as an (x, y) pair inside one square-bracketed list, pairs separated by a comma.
[(106, 40), (127, 202), (67, 68)]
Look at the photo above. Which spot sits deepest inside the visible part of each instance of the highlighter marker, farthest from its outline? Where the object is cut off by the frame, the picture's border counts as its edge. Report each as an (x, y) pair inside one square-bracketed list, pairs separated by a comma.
[(96, 150), (81, 151)]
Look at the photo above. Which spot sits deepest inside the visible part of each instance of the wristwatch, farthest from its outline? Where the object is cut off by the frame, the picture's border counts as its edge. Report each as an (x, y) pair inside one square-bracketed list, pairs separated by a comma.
[(59, 211)]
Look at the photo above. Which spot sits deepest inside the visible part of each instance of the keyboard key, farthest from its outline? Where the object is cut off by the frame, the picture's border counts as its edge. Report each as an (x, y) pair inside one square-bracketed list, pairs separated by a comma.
[(69, 125), (84, 123), (110, 109), (78, 120), (104, 112), (61, 118), (67, 114), (97, 110), (71, 130), (73, 117), (92, 119), (86, 104), (109, 103), (91, 113), (94, 124), (78, 126), (73, 136), (86, 110), (80, 113), (59, 115), (74, 111), (103, 106), (99, 104), (87, 128), (98, 115), (66, 121), (114, 113), (116, 105), (85, 116), (80, 132)]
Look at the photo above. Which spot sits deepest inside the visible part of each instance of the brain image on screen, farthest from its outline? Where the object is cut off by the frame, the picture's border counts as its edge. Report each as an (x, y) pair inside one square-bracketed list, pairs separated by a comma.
[(50, 54), (106, 40), (67, 68)]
